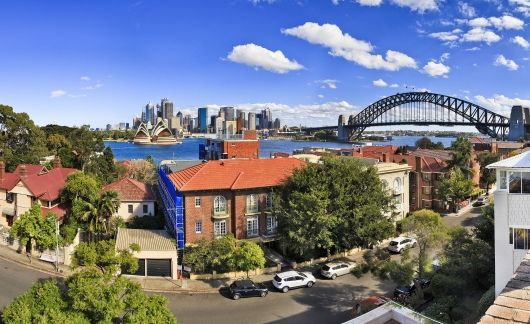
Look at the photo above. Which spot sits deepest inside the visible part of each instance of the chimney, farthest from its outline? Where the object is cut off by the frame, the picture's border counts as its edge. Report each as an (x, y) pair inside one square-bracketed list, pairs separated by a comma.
[(2, 170), (23, 171), (418, 163), (57, 162), (385, 157)]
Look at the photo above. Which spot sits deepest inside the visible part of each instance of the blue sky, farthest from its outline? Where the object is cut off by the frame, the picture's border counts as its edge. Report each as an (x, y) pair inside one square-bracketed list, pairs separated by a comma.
[(100, 62)]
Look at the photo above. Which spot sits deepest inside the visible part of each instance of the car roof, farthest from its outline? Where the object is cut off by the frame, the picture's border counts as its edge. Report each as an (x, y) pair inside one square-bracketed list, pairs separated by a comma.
[(287, 274), (243, 283), (332, 264), (401, 238)]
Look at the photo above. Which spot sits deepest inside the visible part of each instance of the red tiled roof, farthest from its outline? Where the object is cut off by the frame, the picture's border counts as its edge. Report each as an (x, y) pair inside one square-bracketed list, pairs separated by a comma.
[(235, 174), (47, 186), (131, 190), (59, 210), (433, 160), (31, 168), (480, 140), (11, 179)]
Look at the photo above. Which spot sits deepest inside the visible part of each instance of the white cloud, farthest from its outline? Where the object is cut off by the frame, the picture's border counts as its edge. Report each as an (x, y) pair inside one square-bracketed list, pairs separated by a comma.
[(320, 96), (480, 34), (380, 83), (345, 46), (84, 78), (57, 93), (449, 36), (335, 2), (260, 57), (93, 87), (500, 103), (436, 69), (466, 9), (444, 57), (256, 2), (473, 49), (503, 22), (520, 41), (503, 61), (328, 83), (394, 85), (372, 3), (418, 5)]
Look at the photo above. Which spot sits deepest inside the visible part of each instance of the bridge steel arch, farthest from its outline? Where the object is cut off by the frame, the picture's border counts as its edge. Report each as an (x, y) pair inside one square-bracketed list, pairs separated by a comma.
[(486, 121)]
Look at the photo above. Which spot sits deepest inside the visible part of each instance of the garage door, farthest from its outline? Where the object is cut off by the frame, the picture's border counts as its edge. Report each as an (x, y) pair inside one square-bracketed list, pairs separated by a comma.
[(159, 267)]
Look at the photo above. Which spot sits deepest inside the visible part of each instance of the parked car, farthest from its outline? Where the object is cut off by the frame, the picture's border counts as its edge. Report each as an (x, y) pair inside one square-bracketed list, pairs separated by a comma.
[(479, 202), (284, 281), (247, 288), (401, 243), (407, 291), (334, 269)]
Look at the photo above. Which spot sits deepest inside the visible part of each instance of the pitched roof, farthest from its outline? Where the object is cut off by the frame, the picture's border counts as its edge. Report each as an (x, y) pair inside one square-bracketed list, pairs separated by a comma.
[(59, 210), (149, 240), (519, 161), (47, 186), (513, 303), (11, 179), (432, 160), (131, 190), (31, 168), (235, 174)]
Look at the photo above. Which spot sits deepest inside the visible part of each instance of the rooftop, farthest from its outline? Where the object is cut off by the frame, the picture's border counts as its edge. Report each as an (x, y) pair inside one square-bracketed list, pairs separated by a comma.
[(519, 161), (513, 303), (149, 240), (131, 190), (235, 174)]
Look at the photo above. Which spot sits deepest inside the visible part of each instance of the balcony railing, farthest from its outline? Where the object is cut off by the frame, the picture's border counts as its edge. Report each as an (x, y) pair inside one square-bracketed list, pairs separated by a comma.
[(220, 214)]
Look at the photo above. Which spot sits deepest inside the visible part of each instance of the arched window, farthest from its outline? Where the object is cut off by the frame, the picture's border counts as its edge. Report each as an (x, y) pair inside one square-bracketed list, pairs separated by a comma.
[(252, 203), (219, 205), (397, 185)]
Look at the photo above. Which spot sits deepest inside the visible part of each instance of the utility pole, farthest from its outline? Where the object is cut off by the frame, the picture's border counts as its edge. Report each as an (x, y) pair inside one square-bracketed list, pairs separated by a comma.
[(56, 245)]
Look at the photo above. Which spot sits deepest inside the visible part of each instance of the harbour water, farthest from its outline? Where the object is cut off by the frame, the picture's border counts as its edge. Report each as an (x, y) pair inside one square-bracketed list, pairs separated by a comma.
[(189, 149)]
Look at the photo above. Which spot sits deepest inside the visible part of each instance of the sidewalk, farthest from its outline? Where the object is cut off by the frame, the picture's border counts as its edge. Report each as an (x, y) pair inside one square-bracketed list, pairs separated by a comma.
[(33, 262)]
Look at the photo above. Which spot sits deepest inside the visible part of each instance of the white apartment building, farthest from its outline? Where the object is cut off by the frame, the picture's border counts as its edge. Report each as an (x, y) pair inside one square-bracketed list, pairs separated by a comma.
[(512, 216)]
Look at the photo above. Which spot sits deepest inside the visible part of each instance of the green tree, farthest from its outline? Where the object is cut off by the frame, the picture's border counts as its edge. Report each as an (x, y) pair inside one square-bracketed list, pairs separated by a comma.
[(462, 151), (85, 143), (249, 256), (20, 140), (102, 167), (143, 171), (455, 186), (487, 176), (108, 205), (102, 255), (54, 142), (32, 228), (427, 228), (80, 186), (88, 213), (336, 205), (485, 230), (426, 143)]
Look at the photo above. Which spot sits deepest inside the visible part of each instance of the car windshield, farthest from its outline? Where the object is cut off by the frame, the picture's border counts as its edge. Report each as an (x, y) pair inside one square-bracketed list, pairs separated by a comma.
[(393, 243), (303, 275), (325, 268), (277, 279)]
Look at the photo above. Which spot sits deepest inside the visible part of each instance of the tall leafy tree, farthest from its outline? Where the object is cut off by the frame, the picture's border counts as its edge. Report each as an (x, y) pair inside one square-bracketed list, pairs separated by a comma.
[(427, 228), (21, 141), (32, 228), (249, 256), (455, 186), (102, 255), (487, 176), (88, 213), (80, 186), (426, 143), (108, 204), (54, 142), (462, 152)]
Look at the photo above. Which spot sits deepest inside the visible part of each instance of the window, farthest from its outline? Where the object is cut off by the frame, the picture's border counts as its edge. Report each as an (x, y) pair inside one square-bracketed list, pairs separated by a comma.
[(198, 227), (10, 197), (426, 190), (426, 177), (219, 205), (397, 185), (219, 228), (252, 226), (145, 208), (502, 180), (197, 201), (520, 239), (272, 224), (268, 200), (130, 209), (519, 182), (252, 203)]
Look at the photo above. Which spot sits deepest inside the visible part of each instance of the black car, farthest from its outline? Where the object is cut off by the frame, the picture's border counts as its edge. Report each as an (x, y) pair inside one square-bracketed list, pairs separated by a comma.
[(247, 288), (407, 291)]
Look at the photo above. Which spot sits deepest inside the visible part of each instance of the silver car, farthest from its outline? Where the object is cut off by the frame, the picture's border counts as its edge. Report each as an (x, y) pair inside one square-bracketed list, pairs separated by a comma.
[(401, 243), (334, 269)]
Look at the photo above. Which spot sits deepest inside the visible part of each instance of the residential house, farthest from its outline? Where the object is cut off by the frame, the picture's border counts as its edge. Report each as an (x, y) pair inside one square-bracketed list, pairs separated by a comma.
[(30, 184), (231, 146), (136, 198), (215, 198)]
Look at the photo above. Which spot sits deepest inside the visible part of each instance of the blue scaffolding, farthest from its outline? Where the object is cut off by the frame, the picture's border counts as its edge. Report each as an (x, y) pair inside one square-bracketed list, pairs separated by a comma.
[(173, 207)]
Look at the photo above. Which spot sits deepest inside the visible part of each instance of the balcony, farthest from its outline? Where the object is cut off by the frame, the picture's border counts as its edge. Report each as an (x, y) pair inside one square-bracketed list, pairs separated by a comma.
[(220, 214)]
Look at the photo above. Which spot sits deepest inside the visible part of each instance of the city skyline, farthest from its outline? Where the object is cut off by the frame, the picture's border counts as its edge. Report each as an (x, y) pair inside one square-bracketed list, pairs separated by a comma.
[(307, 62)]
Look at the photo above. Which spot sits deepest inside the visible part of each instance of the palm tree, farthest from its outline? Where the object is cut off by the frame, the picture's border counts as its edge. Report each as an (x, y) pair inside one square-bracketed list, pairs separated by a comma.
[(107, 205), (88, 213)]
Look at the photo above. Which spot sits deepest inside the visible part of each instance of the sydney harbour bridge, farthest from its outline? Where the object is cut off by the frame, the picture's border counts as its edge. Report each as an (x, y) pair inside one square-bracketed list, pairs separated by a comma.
[(426, 108)]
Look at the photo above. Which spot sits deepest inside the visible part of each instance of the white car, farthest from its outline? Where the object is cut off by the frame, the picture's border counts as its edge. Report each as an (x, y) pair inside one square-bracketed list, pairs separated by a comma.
[(401, 243), (334, 269), (284, 281)]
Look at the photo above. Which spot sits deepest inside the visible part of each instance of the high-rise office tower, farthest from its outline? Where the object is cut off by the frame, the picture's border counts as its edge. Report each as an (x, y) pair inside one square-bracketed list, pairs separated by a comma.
[(240, 120), (143, 118), (181, 121), (229, 113), (266, 118), (150, 114), (259, 122), (251, 121), (203, 118), (167, 109), (276, 124), (158, 111)]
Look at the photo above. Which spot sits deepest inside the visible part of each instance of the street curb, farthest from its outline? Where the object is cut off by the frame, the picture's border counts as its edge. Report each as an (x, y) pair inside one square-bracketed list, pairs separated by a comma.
[(181, 292), (26, 265)]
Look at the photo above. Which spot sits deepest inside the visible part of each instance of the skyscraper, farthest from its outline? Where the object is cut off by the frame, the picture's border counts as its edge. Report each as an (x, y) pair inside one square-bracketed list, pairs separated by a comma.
[(240, 120), (266, 118), (203, 117), (167, 109), (259, 122), (251, 121), (229, 113), (150, 114), (179, 116), (276, 124)]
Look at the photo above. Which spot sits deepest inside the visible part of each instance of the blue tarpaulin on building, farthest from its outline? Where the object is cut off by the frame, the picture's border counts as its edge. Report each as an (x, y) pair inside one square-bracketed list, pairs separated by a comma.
[(173, 207)]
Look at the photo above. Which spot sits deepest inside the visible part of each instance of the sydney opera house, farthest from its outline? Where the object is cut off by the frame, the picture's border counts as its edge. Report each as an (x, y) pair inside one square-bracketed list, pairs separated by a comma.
[(159, 134)]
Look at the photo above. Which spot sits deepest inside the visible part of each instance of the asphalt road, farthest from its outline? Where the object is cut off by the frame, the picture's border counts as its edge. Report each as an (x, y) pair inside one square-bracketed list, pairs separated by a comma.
[(327, 302)]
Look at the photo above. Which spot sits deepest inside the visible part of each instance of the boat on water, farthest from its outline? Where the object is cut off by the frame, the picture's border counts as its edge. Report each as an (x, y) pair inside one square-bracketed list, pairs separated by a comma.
[(160, 134)]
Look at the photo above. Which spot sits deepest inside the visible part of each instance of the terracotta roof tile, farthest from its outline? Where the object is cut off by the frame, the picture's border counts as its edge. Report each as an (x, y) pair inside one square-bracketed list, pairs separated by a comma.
[(235, 174), (47, 186), (59, 210), (131, 190)]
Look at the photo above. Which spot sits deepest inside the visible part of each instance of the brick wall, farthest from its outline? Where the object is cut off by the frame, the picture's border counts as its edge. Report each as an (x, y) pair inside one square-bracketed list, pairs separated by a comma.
[(241, 149)]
